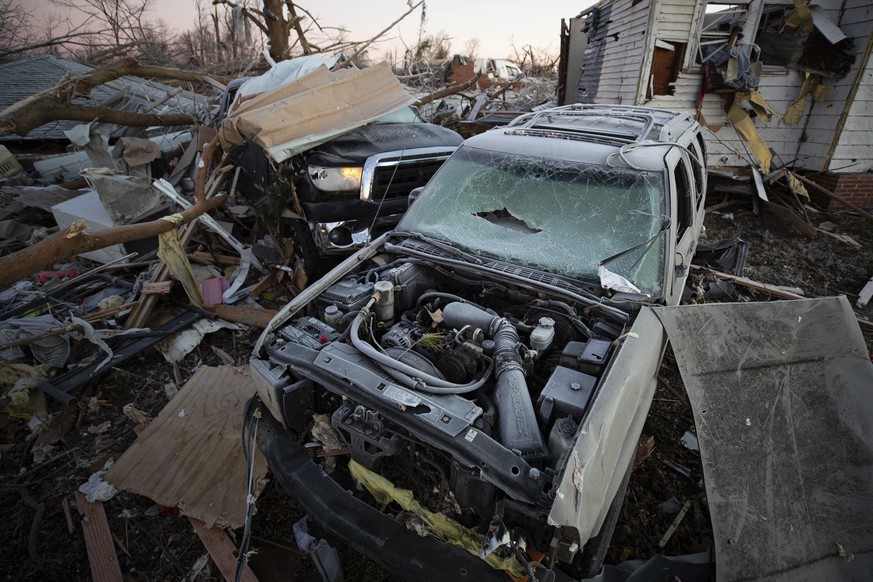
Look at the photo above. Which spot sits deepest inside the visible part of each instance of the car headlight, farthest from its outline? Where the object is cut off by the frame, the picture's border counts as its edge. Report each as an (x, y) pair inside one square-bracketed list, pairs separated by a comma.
[(336, 179)]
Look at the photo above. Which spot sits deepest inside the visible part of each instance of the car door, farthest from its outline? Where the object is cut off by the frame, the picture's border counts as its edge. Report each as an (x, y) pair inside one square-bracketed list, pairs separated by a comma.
[(686, 212)]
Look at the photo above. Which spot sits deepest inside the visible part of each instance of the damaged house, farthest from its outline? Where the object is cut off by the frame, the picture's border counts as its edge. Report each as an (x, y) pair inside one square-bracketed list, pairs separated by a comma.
[(778, 83)]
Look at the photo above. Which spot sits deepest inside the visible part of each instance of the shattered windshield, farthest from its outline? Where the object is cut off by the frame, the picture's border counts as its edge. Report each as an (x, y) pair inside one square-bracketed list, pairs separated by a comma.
[(557, 215)]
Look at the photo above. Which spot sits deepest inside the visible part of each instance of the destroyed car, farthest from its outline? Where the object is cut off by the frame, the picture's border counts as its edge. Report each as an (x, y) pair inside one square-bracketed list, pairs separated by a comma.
[(482, 374), (351, 187)]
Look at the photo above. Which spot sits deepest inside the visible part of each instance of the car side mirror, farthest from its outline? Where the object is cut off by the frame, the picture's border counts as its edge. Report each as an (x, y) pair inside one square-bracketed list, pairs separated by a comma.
[(413, 195)]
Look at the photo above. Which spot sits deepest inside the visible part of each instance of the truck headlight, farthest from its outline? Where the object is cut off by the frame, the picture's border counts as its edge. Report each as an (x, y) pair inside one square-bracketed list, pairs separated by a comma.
[(336, 179)]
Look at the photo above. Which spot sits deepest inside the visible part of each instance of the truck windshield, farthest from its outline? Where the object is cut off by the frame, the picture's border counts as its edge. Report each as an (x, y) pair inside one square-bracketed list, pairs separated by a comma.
[(556, 215)]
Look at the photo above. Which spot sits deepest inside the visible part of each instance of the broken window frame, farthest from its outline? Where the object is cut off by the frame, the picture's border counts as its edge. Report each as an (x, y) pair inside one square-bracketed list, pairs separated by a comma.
[(754, 10)]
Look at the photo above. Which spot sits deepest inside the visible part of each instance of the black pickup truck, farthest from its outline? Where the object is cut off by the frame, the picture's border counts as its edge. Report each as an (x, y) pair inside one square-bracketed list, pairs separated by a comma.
[(352, 187)]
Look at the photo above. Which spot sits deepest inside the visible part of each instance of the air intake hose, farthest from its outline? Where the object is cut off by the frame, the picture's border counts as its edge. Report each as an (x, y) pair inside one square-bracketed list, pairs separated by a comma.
[(516, 421)]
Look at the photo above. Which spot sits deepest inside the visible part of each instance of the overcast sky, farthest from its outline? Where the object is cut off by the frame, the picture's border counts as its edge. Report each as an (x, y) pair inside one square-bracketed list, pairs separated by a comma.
[(497, 24)]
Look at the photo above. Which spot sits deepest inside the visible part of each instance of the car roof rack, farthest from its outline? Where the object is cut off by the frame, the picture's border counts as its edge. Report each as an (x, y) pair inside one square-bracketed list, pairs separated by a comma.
[(621, 124)]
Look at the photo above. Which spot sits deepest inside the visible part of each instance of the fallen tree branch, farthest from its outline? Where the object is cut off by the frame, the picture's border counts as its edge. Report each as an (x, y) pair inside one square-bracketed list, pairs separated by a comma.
[(446, 91), (75, 240), (60, 246), (54, 104), (773, 290), (367, 43)]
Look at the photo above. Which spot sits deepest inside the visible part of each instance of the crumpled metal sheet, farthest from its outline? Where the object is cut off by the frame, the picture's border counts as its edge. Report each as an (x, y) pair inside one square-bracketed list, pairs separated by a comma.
[(782, 394)]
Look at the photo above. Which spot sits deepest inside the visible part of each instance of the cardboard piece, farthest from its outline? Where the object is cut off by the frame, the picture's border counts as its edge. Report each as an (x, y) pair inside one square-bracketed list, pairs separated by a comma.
[(191, 456)]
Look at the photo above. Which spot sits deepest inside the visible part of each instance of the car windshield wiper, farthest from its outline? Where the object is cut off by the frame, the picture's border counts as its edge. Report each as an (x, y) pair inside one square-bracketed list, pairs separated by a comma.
[(646, 244), (443, 246)]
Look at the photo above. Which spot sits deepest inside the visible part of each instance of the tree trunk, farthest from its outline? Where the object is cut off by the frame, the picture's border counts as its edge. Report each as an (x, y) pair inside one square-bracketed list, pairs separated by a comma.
[(278, 29)]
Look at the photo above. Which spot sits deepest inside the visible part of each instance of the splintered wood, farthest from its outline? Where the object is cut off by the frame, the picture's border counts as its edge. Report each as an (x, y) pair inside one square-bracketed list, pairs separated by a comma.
[(98, 540), (191, 455), (222, 551)]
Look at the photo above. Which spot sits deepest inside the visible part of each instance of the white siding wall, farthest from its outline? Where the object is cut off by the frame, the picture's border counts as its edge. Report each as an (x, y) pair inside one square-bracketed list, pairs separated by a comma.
[(854, 148), (806, 143), (622, 52)]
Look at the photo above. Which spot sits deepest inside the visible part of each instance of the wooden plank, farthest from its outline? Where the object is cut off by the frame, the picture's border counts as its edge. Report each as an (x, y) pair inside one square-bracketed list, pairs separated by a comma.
[(773, 290), (191, 456), (866, 294), (222, 551), (157, 288), (98, 541)]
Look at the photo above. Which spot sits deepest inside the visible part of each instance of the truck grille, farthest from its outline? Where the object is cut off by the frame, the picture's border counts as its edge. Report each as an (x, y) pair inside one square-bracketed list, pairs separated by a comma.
[(393, 175)]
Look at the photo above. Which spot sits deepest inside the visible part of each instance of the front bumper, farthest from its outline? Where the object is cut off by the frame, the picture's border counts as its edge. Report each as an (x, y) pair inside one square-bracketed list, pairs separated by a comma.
[(356, 523)]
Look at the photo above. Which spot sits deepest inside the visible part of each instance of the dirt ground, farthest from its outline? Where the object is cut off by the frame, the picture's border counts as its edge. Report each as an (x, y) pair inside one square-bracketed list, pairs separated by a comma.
[(154, 543)]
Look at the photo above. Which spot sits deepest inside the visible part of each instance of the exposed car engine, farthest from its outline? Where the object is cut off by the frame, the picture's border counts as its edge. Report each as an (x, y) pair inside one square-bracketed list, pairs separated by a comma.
[(468, 392)]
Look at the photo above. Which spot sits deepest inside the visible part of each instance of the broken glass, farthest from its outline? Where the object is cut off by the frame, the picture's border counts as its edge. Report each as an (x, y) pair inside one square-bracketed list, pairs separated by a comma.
[(557, 215)]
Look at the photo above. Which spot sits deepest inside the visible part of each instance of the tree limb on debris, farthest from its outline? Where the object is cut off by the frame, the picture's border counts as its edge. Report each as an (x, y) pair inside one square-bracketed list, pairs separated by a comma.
[(446, 91), (833, 196), (54, 104), (61, 246)]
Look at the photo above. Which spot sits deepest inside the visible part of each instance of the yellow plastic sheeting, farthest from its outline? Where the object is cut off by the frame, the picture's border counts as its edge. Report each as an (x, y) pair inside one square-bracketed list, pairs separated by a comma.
[(170, 251), (811, 86), (760, 105), (746, 129), (447, 530)]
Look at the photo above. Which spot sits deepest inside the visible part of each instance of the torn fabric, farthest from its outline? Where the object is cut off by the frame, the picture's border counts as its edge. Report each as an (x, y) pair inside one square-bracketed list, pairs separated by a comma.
[(782, 396), (183, 343), (53, 350), (446, 529)]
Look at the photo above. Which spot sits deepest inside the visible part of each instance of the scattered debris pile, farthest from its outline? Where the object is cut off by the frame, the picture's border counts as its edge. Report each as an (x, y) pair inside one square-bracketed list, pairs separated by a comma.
[(153, 238)]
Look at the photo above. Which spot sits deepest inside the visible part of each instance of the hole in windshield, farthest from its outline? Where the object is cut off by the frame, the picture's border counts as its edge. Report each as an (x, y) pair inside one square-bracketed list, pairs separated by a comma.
[(505, 218)]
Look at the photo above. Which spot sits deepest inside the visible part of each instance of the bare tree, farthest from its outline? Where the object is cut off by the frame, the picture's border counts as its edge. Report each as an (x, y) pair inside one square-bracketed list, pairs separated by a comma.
[(471, 48), (125, 19), (15, 25)]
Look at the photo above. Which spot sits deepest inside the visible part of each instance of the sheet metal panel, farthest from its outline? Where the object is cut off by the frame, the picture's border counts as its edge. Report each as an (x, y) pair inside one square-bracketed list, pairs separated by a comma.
[(782, 394)]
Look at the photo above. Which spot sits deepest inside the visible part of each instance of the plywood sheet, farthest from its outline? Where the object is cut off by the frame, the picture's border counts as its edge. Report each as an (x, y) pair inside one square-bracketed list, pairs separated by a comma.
[(191, 455)]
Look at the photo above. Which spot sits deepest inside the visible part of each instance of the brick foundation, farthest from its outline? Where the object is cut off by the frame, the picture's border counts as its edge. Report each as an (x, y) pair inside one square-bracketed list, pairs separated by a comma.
[(855, 188)]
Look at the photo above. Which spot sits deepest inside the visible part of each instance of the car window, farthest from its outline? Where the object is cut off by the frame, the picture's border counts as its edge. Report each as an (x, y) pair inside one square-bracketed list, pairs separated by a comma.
[(699, 169), (556, 215), (684, 193), (403, 115)]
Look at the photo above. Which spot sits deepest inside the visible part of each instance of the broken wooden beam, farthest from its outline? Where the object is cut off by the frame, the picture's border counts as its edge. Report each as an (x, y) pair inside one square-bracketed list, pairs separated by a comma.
[(833, 196), (98, 541), (774, 290), (221, 550), (246, 315)]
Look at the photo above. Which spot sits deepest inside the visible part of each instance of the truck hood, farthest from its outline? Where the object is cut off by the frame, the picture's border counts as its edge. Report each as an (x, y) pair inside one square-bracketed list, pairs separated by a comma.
[(782, 395), (354, 147)]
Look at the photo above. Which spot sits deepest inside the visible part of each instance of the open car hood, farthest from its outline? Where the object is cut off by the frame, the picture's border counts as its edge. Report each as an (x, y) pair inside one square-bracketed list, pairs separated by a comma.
[(782, 395)]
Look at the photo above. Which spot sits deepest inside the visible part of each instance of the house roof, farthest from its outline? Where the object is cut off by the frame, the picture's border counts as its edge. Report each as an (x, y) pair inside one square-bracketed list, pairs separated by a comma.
[(23, 78)]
